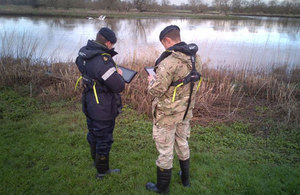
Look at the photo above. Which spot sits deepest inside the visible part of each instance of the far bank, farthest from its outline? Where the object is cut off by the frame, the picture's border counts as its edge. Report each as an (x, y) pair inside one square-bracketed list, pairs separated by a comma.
[(11, 10)]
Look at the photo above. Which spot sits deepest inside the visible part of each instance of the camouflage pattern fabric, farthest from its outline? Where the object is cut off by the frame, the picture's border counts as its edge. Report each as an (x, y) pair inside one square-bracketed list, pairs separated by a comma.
[(171, 69), (166, 137), (169, 129)]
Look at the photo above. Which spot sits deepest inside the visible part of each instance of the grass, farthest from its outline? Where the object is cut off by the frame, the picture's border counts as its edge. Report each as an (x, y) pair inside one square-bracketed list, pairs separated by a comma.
[(46, 152), (83, 13), (245, 139)]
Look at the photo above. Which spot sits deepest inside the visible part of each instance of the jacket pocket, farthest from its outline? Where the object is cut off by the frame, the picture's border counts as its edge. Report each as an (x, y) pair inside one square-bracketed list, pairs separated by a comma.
[(101, 111)]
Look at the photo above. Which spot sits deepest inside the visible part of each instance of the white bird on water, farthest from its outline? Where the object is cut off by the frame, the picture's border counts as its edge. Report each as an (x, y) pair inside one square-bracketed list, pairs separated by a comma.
[(90, 18), (102, 17)]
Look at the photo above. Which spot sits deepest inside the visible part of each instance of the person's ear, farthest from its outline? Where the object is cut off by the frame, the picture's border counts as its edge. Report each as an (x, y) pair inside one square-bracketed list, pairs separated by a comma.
[(108, 44), (165, 41), (168, 40)]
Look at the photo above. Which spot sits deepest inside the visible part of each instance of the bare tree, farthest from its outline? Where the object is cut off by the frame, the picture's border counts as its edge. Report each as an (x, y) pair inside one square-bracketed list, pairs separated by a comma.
[(142, 5), (256, 5), (273, 3), (165, 2), (197, 6), (221, 5), (109, 4), (236, 5)]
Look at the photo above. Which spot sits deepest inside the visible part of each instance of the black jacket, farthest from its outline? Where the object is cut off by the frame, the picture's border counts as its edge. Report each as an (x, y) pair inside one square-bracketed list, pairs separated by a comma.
[(95, 62)]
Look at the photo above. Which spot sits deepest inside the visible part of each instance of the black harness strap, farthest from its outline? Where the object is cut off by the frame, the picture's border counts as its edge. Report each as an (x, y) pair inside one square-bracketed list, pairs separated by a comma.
[(163, 56), (192, 77), (190, 99), (168, 52)]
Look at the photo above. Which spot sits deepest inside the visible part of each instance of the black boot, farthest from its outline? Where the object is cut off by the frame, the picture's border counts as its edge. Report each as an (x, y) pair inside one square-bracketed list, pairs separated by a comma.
[(102, 166), (185, 172), (163, 181), (93, 153)]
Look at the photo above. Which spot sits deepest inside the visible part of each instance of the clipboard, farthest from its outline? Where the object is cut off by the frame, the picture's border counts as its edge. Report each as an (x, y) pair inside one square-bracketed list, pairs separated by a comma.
[(128, 74), (150, 70)]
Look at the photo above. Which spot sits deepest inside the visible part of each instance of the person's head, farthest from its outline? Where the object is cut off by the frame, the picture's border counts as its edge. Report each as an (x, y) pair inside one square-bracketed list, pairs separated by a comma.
[(106, 37), (170, 36)]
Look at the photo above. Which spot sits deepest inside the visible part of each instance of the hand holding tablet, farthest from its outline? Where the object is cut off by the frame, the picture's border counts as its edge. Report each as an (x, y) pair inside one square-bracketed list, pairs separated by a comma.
[(127, 74), (150, 71)]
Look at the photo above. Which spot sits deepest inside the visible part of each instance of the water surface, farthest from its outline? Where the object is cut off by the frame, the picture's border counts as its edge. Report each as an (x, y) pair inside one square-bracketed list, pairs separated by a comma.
[(256, 43)]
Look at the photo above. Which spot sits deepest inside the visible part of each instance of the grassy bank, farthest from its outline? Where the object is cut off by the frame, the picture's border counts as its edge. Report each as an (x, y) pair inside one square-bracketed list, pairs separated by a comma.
[(83, 13), (266, 15), (45, 151)]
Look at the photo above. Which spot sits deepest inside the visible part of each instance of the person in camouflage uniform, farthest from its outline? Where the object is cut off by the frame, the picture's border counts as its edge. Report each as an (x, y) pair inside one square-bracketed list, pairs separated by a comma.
[(170, 125)]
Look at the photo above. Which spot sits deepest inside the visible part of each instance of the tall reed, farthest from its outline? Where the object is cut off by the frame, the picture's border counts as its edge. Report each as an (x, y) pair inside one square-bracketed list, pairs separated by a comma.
[(221, 94)]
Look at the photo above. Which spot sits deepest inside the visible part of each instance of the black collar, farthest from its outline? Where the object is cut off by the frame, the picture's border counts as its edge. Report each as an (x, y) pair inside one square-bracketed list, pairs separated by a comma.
[(102, 48), (165, 54)]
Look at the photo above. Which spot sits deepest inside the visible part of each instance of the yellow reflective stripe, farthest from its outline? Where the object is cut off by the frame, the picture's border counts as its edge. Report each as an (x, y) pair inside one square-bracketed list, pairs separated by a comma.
[(199, 83), (95, 92), (105, 54), (77, 82), (174, 94)]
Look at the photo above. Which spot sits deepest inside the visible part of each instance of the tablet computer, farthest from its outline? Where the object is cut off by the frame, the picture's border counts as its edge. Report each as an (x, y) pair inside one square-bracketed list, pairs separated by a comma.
[(150, 70), (128, 74)]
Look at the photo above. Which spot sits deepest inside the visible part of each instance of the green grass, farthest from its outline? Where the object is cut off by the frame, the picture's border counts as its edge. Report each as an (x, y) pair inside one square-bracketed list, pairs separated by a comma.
[(46, 152)]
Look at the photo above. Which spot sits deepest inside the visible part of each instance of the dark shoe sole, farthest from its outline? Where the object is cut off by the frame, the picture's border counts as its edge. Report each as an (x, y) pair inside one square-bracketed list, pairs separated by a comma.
[(152, 187)]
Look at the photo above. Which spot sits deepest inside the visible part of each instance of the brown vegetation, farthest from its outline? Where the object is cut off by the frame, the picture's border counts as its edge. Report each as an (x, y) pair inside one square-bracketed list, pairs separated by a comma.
[(222, 94)]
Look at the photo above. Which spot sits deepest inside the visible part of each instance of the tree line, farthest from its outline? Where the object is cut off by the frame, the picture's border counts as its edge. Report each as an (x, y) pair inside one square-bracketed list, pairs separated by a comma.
[(196, 6)]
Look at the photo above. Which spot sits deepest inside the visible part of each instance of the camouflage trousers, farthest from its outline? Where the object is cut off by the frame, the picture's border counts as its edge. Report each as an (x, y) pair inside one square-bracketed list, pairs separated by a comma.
[(168, 136)]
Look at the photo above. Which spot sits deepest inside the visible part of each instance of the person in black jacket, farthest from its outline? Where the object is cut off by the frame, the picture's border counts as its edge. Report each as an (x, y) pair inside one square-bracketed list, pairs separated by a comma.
[(101, 101)]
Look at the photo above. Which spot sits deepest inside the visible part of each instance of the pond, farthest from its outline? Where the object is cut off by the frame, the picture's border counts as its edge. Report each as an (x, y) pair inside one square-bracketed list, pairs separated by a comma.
[(256, 42)]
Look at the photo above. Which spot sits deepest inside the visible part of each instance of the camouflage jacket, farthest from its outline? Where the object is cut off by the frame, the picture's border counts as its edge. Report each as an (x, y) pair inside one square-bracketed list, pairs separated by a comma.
[(171, 69)]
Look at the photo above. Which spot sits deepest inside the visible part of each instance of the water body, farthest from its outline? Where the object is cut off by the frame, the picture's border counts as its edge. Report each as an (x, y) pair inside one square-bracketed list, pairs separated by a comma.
[(256, 43)]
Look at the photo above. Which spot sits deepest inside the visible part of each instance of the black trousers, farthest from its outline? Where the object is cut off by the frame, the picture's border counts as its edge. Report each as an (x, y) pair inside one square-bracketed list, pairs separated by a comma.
[(100, 135)]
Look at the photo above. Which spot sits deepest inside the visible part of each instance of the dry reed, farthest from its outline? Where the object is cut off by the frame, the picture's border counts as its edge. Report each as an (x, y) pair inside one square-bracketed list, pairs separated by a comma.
[(222, 92), (219, 98)]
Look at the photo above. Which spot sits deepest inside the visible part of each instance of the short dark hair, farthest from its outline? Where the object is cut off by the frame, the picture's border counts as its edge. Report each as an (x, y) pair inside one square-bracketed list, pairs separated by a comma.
[(100, 39), (174, 35)]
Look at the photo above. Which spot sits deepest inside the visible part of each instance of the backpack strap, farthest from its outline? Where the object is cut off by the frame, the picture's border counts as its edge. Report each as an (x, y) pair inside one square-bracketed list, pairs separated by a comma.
[(194, 77), (88, 81), (191, 78)]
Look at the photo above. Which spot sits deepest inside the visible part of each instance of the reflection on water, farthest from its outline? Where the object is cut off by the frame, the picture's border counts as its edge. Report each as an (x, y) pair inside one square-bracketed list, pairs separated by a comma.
[(258, 42)]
